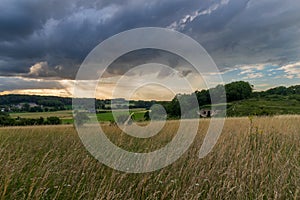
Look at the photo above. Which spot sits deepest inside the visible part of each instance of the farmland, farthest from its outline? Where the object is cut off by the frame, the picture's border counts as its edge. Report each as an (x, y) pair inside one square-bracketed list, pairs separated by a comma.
[(241, 100), (67, 117), (255, 158)]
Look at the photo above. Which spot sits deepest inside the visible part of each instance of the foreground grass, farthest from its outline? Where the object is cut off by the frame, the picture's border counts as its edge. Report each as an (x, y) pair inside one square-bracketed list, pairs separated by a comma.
[(253, 159)]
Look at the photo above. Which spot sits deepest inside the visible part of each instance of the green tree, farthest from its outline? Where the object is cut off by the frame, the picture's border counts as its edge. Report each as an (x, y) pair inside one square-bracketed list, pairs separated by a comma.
[(147, 116), (203, 97), (218, 94), (53, 120), (173, 108), (238, 91), (40, 121)]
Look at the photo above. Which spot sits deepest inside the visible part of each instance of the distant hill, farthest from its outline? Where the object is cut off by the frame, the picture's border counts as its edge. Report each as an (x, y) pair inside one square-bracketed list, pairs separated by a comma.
[(39, 100), (241, 101), (276, 101), (35, 103)]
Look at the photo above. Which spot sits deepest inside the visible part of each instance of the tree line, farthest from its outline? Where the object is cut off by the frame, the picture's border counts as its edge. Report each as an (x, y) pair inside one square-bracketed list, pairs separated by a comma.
[(235, 92), (6, 120)]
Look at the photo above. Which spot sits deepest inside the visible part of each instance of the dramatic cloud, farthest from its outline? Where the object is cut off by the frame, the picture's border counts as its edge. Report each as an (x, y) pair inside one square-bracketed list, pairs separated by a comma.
[(63, 32), (139, 57), (48, 39), (250, 32), (41, 69), (180, 25)]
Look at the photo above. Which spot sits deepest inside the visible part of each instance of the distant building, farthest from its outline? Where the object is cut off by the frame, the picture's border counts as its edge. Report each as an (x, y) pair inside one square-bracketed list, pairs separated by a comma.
[(32, 105), (20, 105)]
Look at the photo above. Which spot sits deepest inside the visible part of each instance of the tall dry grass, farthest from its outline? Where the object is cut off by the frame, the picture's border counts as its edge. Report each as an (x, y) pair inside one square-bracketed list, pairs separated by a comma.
[(255, 158)]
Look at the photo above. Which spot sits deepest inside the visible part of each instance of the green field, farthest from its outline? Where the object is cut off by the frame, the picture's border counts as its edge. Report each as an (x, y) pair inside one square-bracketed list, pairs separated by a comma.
[(262, 106), (108, 116), (67, 117), (255, 158)]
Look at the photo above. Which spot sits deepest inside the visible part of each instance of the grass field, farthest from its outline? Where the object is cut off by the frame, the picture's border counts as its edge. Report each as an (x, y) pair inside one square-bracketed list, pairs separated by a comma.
[(278, 106), (255, 158), (65, 114), (67, 117)]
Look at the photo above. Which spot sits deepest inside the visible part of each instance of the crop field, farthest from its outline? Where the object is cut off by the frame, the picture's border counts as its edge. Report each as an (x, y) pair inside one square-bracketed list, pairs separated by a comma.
[(65, 114), (67, 117), (255, 158)]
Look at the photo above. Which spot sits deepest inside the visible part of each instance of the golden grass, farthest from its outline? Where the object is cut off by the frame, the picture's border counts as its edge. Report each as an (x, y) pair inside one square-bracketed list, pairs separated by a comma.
[(255, 158)]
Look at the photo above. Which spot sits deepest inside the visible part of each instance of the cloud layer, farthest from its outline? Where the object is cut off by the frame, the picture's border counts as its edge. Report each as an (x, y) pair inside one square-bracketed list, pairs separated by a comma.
[(49, 39)]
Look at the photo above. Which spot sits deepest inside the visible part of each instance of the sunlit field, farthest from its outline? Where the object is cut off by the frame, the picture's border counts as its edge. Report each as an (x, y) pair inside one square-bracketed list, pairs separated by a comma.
[(255, 158)]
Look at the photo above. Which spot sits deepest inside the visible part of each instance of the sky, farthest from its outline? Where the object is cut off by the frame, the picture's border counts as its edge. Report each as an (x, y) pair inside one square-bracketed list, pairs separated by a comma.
[(44, 42)]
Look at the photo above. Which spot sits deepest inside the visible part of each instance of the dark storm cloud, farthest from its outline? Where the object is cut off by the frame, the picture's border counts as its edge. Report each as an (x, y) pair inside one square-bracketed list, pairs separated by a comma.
[(249, 32), (20, 19), (139, 57), (61, 33), (17, 83)]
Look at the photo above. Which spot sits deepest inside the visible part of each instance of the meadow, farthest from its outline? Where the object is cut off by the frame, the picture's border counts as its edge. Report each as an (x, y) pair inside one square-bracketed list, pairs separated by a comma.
[(66, 116), (255, 158)]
